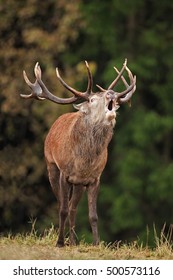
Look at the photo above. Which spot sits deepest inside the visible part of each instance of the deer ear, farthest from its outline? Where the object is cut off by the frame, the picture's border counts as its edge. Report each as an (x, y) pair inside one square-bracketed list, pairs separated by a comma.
[(83, 107)]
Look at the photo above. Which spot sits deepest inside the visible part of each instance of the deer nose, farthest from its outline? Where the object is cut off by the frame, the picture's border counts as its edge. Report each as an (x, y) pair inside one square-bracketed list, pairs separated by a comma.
[(111, 94)]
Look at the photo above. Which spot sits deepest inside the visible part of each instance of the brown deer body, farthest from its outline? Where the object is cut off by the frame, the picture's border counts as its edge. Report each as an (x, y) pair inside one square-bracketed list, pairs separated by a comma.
[(76, 145)]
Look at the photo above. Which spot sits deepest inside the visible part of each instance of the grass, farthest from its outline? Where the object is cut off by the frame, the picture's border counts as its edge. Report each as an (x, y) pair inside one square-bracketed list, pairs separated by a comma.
[(34, 247)]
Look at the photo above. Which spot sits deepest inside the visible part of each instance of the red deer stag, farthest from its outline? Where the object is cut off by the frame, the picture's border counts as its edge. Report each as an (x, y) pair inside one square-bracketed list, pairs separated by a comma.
[(76, 145)]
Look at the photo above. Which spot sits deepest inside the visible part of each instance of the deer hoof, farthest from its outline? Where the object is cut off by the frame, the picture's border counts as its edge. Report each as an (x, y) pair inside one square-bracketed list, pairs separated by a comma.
[(60, 244)]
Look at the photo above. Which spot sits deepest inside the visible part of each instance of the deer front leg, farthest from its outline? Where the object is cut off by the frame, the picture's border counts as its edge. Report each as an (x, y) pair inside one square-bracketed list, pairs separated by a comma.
[(76, 196), (63, 209), (92, 206)]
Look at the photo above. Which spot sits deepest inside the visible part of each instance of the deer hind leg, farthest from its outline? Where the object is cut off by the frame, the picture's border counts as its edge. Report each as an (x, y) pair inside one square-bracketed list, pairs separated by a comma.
[(75, 198), (92, 206), (65, 188), (54, 179), (54, 175)]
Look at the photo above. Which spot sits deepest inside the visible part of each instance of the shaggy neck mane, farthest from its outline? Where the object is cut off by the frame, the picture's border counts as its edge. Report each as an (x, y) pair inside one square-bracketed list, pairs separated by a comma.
[(92, 138)]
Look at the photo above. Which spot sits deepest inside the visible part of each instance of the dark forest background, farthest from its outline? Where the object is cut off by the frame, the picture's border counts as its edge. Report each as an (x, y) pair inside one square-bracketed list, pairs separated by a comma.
[(136, 192)]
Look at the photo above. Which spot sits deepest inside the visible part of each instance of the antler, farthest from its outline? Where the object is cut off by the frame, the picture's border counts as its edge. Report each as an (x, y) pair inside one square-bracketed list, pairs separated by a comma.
[(36, 89), (79, 94), (40, 91), (124, 96), (129, 89)]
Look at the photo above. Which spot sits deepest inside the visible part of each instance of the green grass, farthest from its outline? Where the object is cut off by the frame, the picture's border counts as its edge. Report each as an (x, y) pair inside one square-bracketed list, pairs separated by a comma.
[(32, 246)]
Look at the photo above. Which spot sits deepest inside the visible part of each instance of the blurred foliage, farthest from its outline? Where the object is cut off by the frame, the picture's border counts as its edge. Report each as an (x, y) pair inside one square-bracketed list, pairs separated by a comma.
[(136, 187)]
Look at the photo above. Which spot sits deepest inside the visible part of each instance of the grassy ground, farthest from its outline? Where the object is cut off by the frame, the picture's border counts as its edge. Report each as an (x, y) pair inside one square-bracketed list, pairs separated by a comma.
[(32, 246)]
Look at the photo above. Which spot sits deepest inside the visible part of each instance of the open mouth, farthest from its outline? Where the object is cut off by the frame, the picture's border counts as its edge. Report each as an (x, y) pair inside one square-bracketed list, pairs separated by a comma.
[(110, 105)]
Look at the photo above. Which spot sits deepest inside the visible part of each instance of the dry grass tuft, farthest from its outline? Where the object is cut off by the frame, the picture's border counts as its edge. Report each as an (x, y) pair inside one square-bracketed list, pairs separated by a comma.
[(32, 246)]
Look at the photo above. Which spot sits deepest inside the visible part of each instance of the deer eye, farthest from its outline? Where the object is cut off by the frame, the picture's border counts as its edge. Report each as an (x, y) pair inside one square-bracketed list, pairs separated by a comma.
[(92, 99)]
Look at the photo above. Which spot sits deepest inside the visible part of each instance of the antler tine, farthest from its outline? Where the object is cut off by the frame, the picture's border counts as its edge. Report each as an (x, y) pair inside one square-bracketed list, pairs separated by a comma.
[(130, 92), (37, 71), (100, 88), (112, 85), (132, 81), (27, 96), (122, 77), (74, 91), (27, 80), (90, 79), (36, 89)]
